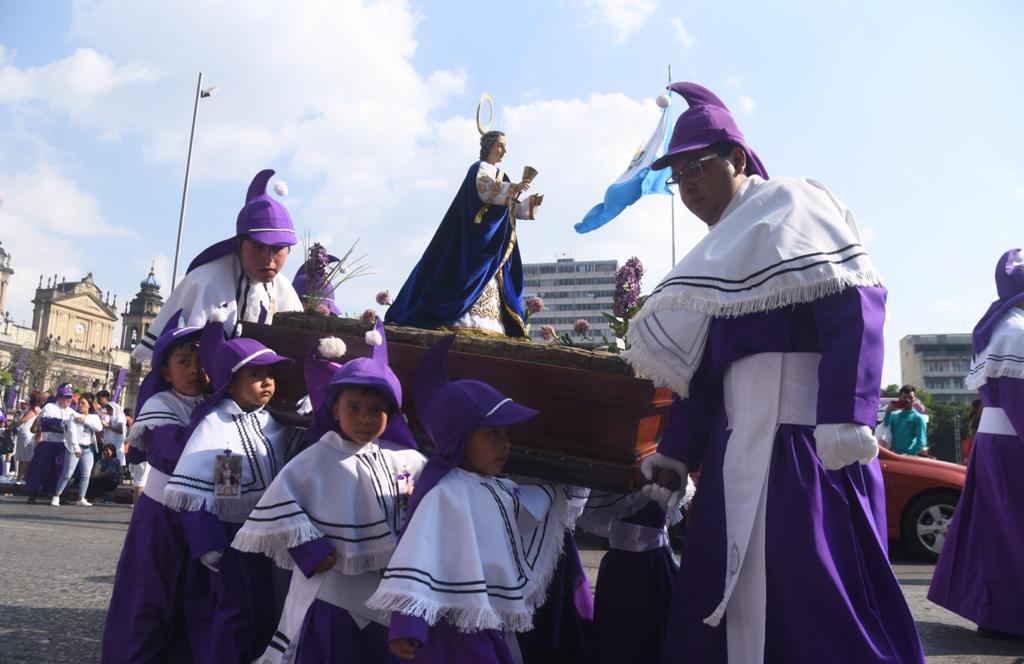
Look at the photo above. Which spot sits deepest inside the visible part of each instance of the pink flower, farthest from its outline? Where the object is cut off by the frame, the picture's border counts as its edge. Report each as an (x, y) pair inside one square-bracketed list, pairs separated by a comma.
[(368, 316), (547, 332), (581, 327), (534, 304), (383, 298), (323, 308)]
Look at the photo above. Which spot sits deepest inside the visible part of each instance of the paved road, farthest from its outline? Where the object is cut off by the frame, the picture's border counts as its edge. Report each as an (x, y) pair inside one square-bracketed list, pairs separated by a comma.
[(58, 564)]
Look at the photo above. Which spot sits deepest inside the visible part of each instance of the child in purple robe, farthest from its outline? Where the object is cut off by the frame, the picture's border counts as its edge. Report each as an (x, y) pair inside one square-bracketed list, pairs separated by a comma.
[(635, 578), (234, 596), (333, 514), (146, 619), (979, 575), (478, 552)]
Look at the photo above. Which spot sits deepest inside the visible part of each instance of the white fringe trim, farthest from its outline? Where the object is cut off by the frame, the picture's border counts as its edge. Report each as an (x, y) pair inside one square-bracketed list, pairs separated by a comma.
[(185, 501), (275, 545), (775, 298), (464, 619), (654, 367), (975, 381)]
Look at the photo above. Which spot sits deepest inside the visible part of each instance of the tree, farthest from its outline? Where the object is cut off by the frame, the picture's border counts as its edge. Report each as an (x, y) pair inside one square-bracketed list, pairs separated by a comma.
[(943, 438)]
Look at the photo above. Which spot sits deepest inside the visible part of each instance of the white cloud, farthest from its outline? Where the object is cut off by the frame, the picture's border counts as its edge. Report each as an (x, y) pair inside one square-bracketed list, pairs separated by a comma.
[(71, 85), (366, 155), (621, 17), (683, 35), (747, 103), (42, 222)]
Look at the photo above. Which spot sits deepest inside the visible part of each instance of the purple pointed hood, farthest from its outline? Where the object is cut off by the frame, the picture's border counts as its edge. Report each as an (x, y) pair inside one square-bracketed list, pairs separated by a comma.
[(1010, 291), (707, 121), (262, 218), (301, 285), (170, 337), (449, 412), (372, 371), (223, 358)]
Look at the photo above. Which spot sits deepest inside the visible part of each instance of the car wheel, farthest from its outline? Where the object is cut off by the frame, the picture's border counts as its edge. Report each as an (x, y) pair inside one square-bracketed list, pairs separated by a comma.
[(926, 522)]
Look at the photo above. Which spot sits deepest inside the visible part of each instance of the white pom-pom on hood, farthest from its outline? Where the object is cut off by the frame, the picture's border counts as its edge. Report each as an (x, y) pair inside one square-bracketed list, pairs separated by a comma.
[(373, 338), (331, 348), (281, 188), (219, 315)]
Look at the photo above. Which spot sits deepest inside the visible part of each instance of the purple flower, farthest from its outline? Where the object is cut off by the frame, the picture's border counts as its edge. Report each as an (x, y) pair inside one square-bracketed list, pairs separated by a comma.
[(534, 304), (369, 316), (383, 298), (627, 287), (547, 332), (581, 327), (316, 270)]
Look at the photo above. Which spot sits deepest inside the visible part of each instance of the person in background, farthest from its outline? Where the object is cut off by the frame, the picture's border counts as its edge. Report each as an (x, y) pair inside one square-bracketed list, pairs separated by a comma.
[(106, 475), (25, 440), (80, 447), (53, 427), (979, 574), (973, 420), (114, 429), (908, 426)]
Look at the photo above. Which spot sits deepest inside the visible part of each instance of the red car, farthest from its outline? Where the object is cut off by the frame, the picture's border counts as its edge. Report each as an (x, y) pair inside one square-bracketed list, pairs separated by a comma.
[(920, 497)]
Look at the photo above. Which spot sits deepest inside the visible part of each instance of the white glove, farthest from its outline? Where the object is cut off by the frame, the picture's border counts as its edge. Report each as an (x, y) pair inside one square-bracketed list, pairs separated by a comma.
[(841, 444), (210, 560), (662, 494)]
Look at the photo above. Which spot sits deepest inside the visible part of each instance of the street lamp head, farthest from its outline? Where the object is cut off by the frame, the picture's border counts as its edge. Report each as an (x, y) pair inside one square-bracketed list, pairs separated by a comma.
[(208, 92)]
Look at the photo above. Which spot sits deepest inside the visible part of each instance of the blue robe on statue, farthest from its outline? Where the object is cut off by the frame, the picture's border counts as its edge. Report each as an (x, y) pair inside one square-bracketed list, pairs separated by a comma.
[(474, 241)]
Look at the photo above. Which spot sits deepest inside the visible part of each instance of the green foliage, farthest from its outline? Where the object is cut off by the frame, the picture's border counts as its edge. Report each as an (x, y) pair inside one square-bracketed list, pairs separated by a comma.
[(6, 378), (620, 326), (892, 390), (943, 441)]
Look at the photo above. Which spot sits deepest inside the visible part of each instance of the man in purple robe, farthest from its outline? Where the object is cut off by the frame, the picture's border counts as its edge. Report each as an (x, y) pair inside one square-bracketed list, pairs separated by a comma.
[(979, 574), (770, 333)]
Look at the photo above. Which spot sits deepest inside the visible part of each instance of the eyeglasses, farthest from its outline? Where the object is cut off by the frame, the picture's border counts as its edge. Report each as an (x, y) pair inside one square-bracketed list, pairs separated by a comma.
[(693, 170)]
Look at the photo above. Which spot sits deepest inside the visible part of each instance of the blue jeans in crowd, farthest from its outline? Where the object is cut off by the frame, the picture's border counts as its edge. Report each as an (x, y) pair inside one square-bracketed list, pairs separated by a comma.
[(84, 465)]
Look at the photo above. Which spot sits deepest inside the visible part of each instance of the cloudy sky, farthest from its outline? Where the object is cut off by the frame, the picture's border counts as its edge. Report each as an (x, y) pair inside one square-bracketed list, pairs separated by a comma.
[(910, 112)]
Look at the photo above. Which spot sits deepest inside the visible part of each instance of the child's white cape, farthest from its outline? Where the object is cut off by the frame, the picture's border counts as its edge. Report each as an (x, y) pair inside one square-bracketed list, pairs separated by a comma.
[(262, 442), (478, 552)]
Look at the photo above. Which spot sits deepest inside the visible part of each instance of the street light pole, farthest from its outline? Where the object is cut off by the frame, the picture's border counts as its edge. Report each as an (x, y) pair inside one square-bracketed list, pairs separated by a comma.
[(200, 93)]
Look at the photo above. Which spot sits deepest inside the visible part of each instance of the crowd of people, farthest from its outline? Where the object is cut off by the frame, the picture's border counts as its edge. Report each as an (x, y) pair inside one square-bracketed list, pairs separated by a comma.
[(81, 436), (255, 540)]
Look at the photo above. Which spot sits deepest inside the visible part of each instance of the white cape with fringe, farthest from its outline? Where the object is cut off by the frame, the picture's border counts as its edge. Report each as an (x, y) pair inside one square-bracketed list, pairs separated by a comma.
[(220, 282), (161, 409), (478, 553), (261, 441), (351, 495), (1004, 354), (779, 242)]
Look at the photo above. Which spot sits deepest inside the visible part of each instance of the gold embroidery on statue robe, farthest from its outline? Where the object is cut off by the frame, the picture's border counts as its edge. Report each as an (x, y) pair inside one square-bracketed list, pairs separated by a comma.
[(488, 305)]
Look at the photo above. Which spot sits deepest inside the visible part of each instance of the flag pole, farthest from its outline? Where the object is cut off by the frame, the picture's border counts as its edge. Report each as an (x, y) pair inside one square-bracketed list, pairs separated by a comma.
[(672, 197)]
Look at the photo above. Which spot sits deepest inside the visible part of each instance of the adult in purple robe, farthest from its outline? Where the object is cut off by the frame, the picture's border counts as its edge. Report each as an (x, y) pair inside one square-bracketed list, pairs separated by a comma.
[(770, 333), (979, 575)]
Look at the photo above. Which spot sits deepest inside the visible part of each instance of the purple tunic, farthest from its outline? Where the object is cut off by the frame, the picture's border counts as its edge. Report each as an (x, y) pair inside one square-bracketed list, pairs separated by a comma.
[(631, 599), (831, 594), (147, 618), (45, 468), (330, 636), (443, 644), (979, 573)]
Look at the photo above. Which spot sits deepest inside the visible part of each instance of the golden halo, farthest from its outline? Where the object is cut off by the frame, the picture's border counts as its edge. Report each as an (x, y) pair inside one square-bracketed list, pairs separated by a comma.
[(485, 97)]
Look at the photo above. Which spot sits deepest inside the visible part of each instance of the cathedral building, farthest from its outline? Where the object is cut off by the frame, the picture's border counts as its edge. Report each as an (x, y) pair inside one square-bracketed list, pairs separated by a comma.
[(72, 336)]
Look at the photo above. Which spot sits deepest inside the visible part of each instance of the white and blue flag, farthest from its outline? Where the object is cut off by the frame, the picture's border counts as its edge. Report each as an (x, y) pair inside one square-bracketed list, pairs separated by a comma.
[(637, 181)]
